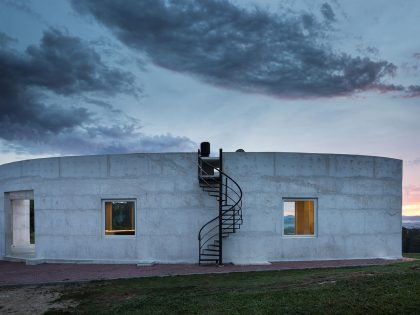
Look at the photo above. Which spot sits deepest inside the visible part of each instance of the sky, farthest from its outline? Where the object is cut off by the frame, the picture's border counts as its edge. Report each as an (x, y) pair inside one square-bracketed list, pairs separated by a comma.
[(94, 77)]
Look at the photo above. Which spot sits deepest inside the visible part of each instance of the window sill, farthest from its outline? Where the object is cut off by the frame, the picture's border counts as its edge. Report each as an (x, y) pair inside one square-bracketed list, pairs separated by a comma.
[(299, 236), (120, 236)]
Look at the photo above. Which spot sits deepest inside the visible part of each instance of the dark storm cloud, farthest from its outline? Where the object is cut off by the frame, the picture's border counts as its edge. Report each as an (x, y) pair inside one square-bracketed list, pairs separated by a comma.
[(103, 105), (327, 12), (5, 40), (102, 139), (251, 50), (64, 67), (413, 90)]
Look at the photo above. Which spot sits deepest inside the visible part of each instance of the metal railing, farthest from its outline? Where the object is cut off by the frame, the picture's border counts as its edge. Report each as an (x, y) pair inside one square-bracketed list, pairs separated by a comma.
[(229, 195)]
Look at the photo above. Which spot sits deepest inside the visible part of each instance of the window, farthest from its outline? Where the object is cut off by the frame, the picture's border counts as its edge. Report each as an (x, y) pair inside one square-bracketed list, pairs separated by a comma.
[(120, 217), (299, 216)]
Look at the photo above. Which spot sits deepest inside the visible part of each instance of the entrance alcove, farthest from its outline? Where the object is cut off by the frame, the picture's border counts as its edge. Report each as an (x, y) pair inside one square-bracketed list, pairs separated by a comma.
[(20, 232)]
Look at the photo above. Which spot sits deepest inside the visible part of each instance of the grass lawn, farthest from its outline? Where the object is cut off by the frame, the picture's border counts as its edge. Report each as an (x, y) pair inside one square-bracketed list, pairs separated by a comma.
[(391, 289)]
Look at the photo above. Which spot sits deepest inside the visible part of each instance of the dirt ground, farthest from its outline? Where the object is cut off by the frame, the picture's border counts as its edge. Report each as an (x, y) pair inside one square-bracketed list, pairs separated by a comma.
[(31, 299)]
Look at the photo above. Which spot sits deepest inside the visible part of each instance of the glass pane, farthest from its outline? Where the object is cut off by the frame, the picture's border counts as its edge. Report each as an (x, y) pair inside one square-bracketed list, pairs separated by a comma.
[(299, 217), (119, 218), (289, 218)]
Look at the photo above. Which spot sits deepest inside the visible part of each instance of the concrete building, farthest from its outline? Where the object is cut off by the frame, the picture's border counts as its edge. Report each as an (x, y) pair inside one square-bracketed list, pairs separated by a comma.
[(144, 208)]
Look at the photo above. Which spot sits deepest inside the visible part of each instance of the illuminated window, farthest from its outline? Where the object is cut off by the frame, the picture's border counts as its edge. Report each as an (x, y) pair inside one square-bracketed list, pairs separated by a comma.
[(299, 216), (120, 217)]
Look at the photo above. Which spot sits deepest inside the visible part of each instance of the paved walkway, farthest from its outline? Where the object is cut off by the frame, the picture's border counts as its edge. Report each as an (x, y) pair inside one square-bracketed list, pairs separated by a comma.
[(17, 273)]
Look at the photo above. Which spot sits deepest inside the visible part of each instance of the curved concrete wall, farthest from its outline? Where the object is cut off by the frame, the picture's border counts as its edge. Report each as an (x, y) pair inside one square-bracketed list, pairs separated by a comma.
[(359, 206)]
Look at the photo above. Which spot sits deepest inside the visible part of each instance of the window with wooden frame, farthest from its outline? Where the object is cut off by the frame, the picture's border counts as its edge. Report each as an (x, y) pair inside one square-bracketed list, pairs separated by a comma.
[(120, 217), (299, 216)]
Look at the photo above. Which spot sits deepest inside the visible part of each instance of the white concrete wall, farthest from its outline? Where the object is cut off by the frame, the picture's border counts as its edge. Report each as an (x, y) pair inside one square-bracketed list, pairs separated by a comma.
[(359, 206)]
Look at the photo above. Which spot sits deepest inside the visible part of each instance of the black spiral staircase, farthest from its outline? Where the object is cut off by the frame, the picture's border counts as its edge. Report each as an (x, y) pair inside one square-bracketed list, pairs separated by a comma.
[(229, 197)]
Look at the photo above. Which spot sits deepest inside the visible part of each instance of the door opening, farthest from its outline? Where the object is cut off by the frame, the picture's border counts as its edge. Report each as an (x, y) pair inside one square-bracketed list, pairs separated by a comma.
[(32, 222), (21, 217)]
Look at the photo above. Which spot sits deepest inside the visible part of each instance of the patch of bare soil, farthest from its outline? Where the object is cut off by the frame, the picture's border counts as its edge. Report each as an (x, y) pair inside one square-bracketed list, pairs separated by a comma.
[(32, 299)]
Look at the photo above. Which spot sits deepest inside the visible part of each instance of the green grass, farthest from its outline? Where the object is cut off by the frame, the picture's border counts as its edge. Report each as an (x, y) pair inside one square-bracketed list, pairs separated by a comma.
[(391, 289), (412, 255)]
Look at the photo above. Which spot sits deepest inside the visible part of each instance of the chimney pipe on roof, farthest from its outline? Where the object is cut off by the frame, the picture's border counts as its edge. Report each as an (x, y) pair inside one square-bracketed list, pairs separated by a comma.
[(205, 149)]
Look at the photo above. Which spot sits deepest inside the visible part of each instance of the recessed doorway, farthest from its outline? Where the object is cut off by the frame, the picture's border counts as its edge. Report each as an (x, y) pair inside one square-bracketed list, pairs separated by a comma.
[(21, 217)]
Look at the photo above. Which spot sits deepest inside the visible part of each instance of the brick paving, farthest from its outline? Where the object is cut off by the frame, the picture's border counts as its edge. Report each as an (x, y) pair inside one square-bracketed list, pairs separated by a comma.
[(18, 273)]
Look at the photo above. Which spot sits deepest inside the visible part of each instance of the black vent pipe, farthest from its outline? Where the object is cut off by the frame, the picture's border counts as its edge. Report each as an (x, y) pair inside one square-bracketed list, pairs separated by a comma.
[(205, 149)]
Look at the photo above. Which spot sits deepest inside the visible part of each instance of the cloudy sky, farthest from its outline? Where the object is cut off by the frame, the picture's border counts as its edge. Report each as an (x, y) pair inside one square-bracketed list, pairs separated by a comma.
[(89, 77)]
